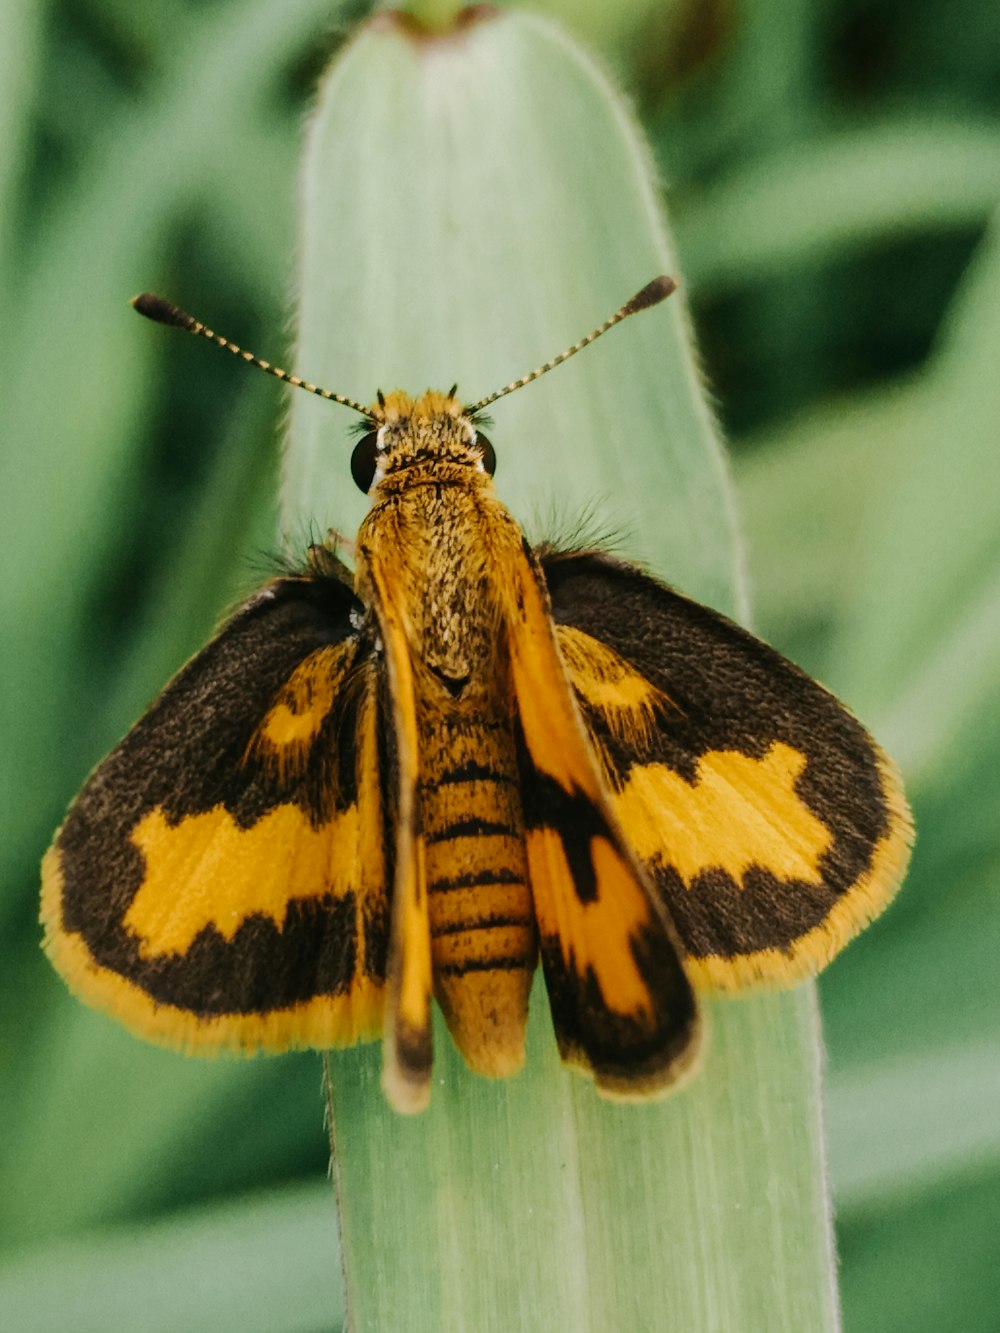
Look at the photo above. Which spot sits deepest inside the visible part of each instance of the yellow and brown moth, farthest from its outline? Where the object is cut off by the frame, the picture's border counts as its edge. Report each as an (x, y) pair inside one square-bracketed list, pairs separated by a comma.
[(417, 778)]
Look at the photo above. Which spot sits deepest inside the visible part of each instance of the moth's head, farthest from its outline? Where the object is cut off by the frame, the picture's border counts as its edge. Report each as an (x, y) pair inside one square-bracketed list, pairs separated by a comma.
[(432, 431)]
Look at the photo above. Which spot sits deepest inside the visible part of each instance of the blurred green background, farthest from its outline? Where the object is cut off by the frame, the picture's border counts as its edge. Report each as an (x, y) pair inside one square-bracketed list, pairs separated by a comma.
[(833, 177)]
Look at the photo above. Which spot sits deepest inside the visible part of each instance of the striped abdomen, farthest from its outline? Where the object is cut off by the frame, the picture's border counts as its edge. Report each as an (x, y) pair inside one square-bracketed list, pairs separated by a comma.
[(483, 936)]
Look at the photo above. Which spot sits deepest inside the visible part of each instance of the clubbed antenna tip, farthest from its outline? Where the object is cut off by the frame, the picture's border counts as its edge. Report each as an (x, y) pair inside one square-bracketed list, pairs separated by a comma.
[(652, 294), (163, 312)]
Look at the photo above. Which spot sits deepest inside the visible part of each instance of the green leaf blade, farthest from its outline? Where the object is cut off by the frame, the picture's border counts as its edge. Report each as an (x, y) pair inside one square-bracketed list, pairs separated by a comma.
[(472, 204)]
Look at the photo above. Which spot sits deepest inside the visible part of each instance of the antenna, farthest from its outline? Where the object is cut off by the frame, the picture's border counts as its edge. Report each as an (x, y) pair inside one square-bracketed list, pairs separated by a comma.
[(165, 312), (652, 294)]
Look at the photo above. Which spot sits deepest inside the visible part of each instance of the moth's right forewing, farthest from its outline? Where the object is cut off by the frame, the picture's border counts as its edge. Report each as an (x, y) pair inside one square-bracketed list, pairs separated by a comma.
[(769, 821), (622, 1007)]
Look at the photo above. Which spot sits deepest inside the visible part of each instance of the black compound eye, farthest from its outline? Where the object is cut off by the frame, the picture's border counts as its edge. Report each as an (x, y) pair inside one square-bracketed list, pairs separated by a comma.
[(363, 461), (489, 455)]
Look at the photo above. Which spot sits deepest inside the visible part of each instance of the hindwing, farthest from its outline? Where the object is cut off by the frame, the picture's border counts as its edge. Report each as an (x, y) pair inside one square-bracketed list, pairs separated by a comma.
[(220, 881), (772, 825)]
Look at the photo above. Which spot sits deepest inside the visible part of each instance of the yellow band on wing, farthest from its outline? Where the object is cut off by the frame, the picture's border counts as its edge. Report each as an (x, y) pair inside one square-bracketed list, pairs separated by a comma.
[(739, 812), (322, 1021), (207, 870)]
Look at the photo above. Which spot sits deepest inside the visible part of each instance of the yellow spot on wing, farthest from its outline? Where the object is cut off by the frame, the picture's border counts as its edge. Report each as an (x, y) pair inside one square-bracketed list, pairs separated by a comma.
[(209, 871), (294, 720), (740, 812), (608, 683), (595, 934)]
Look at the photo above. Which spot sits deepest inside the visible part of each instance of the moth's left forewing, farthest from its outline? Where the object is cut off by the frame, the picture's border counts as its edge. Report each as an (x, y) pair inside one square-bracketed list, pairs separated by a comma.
[(771, 823), (621, 1004)]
